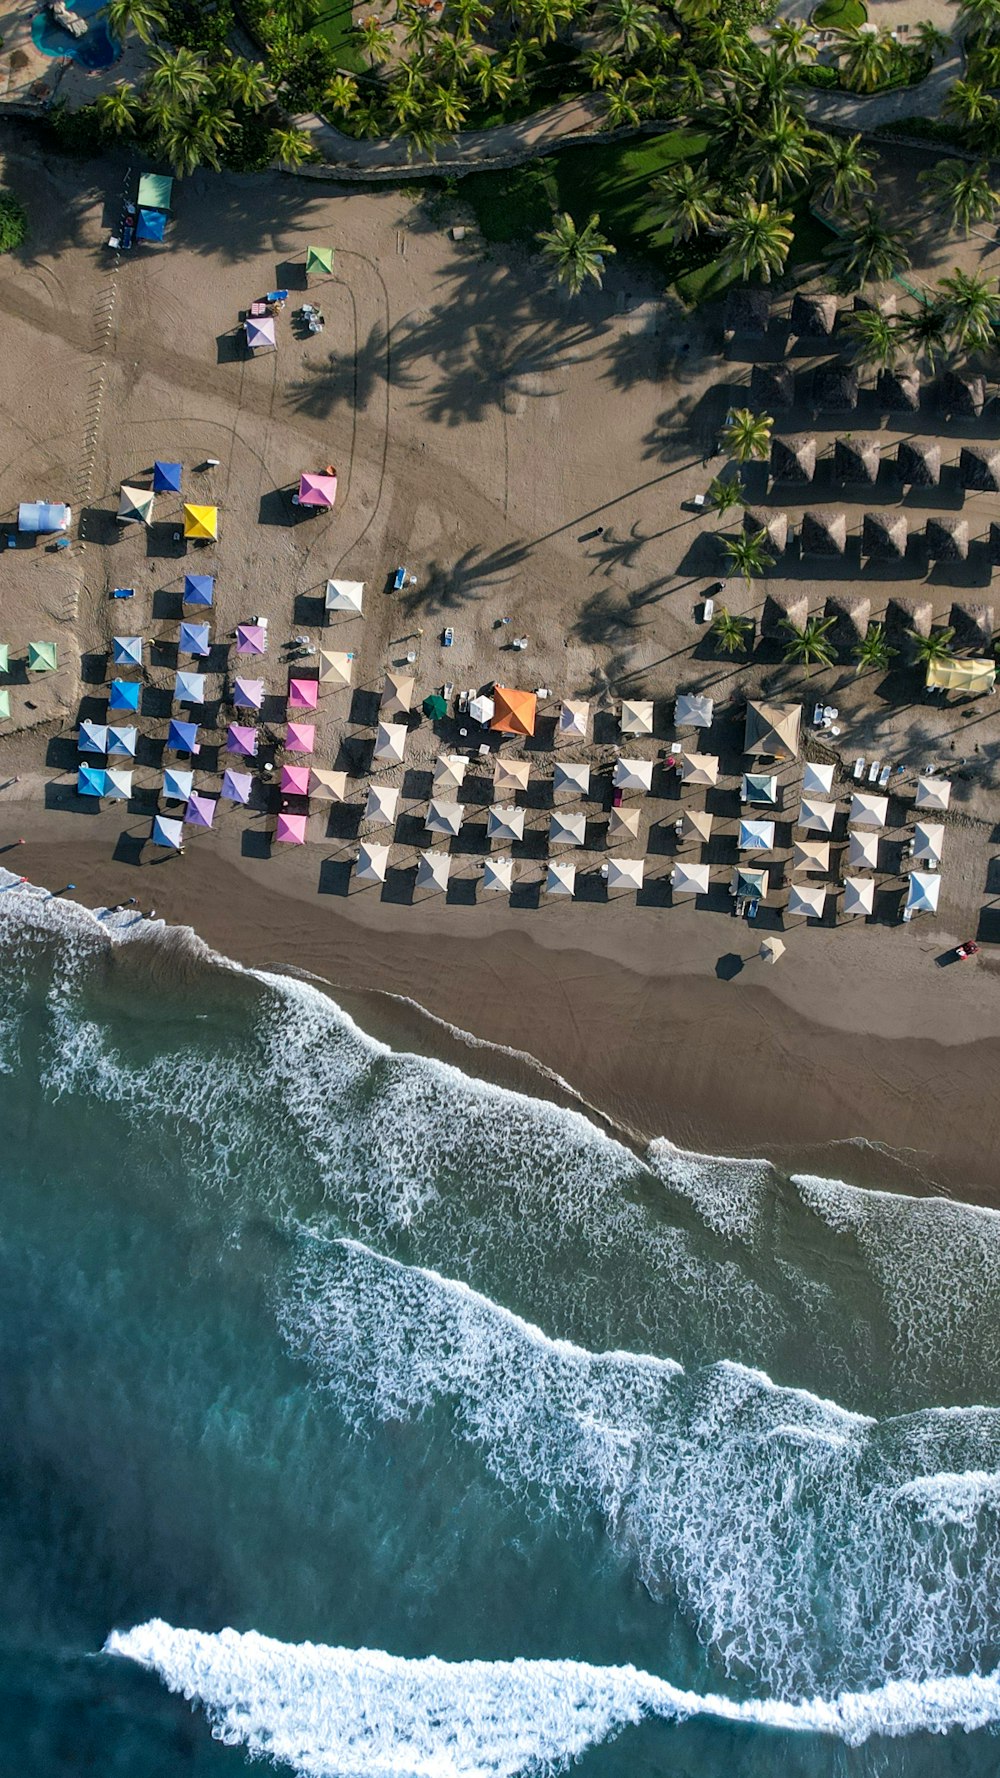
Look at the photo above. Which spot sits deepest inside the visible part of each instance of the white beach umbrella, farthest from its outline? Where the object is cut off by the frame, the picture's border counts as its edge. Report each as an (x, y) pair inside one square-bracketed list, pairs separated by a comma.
[(817, 780), (689, 879), (561, 878), (390, 743), (373, 862), (923, 892), (859, 895), (868, 811), (862, 851), (756, 836), (816, 814), (345, 595), (625, 873), (928, 842), (570, 782), (567, 829), (498, 875), (693, 710), (381, 804), (397, 694), (807, 899), (573, 719), (482, 709), (443, 817), (633, 774), (433, 871), (933, 793), (637, 716), (505, 823), (117, 785), (449, 772), (771, 949)]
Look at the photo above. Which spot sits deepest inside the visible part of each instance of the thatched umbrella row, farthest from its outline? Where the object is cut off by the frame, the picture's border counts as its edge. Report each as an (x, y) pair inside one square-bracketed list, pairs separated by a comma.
[(972, 623), (748, 312), (856, 461), (836, 388), (885, 536)]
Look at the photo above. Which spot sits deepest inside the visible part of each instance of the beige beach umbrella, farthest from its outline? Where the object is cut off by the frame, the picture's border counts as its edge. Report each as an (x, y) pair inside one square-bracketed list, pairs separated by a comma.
[(695, 824), (933, 793), (328, 787), (390, 743), (381, 804), (397, 695), (433, 871), (637, 716), (811, 856), (862, 851), (690, 879), (699, 768), (372, 864), (817, 815), (807, 900), (510, 775), (868, 811), (449, 772), (570, 783), (633, 774), (771, 949), (624, 825), (444, 817), (335, 668), (573, 719)]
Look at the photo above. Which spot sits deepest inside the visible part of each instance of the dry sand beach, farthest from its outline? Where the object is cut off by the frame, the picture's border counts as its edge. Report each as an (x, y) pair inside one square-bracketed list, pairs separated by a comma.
[(524, 460)]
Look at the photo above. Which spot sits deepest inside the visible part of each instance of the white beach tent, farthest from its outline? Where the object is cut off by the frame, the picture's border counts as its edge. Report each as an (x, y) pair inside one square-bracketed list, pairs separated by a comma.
[(756, 836), (689, 879), (381, 804), (625, 873), (567, 829), (117, 785), (482, 709), (624, 825), (694, 824), (433, 871), (449, 771), (923, 893), (816, 815), (637, 716), (345, 595), (862, 852), (633, 774), (444, 817), (372, 864), (560, 878), (390, 743), (868, 811), (811, 856), (859, 895), (498, 875), (510, 775), (570, 782), (807, 899), (573, 719), (693, 710), (505, 823), (699, 768), (327, 787), (928, 842), (817, 780), (933, 793)]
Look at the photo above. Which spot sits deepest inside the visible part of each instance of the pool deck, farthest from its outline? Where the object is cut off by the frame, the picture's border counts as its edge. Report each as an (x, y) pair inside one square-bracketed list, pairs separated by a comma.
[(30, 79)]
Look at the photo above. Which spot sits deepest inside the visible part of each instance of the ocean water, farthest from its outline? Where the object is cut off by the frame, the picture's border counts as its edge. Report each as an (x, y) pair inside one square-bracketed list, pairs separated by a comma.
[(367, 1418)]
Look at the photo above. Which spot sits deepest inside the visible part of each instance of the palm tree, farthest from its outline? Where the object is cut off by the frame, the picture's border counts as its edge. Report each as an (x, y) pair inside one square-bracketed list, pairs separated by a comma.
[(244, 81), (935, 647), (731, 633), (810, 646), (472, 17), (545, 17), (619, 108), (868, 55), (628, 23), (292, 147), (723, 495), (419, 26), (684, 201), (964, 191), (177, 75), (971, 307), (841, 172), (449, 109), (601, 68), (757, 240), (375, 39), (927, 333), (930, 39), (746, 436), (748, 554), (144, 17), (873, 654), (451, 57), (118, 109), (877, 339), (342, 94), (491, 76), (795, 39), (870, 250), (966, 101), (576, 254), (978, 18), (778, 152), (192, 139)]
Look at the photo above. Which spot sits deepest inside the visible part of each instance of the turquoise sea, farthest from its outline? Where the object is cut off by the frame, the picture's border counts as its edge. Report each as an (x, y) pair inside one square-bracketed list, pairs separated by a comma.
[(367, 1417)]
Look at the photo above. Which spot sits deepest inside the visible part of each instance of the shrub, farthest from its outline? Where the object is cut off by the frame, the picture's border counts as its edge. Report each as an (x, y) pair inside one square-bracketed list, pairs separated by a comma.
[(313, 66), (819, 74), (13, 221), (192, 25), (76, 132)]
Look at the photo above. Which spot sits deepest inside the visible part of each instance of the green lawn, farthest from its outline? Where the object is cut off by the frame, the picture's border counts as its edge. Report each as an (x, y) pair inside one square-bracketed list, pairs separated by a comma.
[(334, 24), (614, 179), (834, 15)]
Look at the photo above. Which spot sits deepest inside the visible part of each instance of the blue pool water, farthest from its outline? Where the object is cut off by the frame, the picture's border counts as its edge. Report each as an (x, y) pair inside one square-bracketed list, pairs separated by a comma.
[(97, 49)]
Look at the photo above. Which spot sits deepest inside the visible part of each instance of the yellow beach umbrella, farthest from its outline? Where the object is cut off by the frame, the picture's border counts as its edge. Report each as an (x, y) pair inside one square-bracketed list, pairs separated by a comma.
[(201, 522)]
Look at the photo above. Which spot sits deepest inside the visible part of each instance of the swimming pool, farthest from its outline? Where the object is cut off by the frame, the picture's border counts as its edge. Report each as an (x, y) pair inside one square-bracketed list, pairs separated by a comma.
[(97, 49)]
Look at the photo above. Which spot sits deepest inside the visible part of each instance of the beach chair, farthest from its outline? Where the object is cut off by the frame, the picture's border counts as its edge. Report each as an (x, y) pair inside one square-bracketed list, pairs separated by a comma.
[(399, 580), (859, 768), (884, 776), (873, 771)]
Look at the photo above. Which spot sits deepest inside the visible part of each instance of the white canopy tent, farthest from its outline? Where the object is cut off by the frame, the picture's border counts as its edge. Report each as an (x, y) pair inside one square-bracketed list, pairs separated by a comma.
[(693, 710), (928, 843), (759, 787), (560, 878), (816, 815), (625, 873), (636, 716), (381, 804), (433, 871), (633, 774), (566, 829), (756, 836), (569, 782), (923, 892), (498, 876), (862, 851), (390, 743), (449, 772), (808, 900), (573, 719), (373, 862), (933, 793), (444, 817), (868, 811), (510, 775), (505, 823), (345, 595), (690, 879), (817, 780), (859, 895), (482, 709)]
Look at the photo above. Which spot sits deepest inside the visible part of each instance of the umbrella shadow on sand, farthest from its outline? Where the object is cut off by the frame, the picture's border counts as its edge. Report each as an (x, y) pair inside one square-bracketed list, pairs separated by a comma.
[(729, 965)]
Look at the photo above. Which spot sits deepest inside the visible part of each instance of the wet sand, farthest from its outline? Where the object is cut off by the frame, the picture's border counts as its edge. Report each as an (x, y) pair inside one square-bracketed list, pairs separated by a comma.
[(663, 1021)]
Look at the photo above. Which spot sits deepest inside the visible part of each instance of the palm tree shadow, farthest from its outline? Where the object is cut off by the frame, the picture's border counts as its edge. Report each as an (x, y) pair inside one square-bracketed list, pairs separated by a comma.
[(607, 618), (476, 575)]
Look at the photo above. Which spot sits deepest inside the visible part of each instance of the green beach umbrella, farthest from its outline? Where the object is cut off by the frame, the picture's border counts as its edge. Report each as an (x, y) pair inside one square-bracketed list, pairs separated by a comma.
[(435, 707), (4, 704), (319, 260), (43, 657), (4, 654)]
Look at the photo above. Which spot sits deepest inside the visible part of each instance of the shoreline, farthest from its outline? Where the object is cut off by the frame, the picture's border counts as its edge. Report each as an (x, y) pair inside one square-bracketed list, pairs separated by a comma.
[(623, 1013)]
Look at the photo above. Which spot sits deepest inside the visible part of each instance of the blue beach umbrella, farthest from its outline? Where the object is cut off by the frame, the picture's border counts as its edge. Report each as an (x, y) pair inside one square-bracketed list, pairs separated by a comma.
[(189, 688), (93, 737), (91, 781), (151, 225), (182, 737), (177, 784), (127, 651), (167, 833), (124, 694), (122, 740), (194, 639), (199, 589), (166, 478)]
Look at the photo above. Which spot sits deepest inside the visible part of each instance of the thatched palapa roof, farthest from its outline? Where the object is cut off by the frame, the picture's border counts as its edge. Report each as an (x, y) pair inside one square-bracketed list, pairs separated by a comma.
[(773, 524), (857, 459), (878, 298), (963, 393), (994, 545), (884, 535), (899, 390), (746, 311), (835, 387), (947, 539), (979, 468), (851, 613), (793, 459), (824, 533), (905, 614), (784, 605), (772, 388), (813, 317), (918, 463), (973, 626)]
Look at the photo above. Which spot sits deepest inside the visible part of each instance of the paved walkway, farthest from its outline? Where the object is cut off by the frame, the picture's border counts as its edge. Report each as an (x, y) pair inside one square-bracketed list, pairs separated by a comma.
[(507, 143), (852, 111)]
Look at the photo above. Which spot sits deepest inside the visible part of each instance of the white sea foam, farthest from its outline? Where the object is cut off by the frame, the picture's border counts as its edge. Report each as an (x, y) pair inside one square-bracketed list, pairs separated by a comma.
[(334, 1712)]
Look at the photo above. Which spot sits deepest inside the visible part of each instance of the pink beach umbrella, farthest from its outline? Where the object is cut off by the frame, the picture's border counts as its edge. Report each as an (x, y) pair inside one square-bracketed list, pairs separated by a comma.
[(291, 829), (200, 810), (248, 694), (317, 490), (236, 786), (295, 780), (303, 694), (251, 639), (301, 737), (240, 739)]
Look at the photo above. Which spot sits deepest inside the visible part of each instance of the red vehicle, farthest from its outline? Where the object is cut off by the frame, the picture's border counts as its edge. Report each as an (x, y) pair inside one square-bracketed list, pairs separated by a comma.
[(967, 950)]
